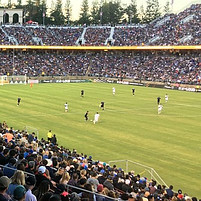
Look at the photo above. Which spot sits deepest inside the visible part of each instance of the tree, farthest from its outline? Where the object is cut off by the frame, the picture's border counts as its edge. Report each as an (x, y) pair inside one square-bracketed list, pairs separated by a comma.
[(57, 16), (95, 12), (167, 7), (84, 14), (112, 12), (9, 4), (30, 9), (19, 2), (152, 10), (131, 12), (68, 9), (142, 14)]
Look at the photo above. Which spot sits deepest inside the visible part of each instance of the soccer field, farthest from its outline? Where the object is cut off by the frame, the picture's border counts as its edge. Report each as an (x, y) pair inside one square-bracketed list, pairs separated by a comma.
[(128, 128)]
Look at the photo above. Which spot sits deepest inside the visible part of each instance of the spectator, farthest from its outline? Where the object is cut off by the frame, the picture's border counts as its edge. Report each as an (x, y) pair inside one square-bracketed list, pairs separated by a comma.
[(43, 188), (4, 183), (19, 193), (10, 168), (17, 179), (30, 184)]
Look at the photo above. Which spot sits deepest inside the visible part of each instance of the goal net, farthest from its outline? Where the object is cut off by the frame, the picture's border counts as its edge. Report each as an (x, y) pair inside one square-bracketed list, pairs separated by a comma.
[(30, 129), (21, 79)]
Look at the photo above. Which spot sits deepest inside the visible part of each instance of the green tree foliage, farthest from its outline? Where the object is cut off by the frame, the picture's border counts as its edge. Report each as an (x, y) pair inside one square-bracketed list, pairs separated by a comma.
[(30, 10), (152, 10), (19, 2), (131, 12), (142, 14), (68, 10), (84, 14), (95, 12), (57, 16), (112, 12), (167, 8), (9, 4), (40, 11)]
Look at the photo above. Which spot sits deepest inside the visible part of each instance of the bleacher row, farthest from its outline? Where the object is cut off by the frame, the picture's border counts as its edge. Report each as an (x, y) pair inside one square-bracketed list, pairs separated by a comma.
[(40, 170), (181, 67), (172, 29)]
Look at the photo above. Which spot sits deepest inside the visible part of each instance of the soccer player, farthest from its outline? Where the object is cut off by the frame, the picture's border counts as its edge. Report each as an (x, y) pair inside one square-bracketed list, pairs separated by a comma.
[(86, 115), (158, 100), (113, 90), (82, 93), (18, 101), (160, 107), (166, 98), (133, 91), (102, 105), (96, 117), (66, 107)]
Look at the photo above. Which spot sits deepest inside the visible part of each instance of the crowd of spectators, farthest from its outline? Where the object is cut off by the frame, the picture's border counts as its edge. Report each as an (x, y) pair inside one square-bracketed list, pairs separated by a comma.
[(162, 66), (40, 170), (97, 36), (4, 39), (171, 32), (20, 34), (29, 35), (172, 29)]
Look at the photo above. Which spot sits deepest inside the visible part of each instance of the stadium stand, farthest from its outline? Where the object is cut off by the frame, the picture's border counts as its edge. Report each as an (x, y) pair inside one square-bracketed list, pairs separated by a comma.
[(50, 172), (173, 29), (47, 170), (158, 66), (97, 36)]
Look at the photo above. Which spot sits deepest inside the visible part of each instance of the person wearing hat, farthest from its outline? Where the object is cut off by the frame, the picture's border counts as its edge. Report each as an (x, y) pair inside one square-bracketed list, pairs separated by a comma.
[(100, 195), (42, 175), (4, 183), (30, 183), (19, 193)]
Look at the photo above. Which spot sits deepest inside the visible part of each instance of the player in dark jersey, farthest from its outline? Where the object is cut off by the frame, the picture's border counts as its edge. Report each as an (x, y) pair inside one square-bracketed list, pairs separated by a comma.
[(18, 101), (102, 105), (86, 115), (82, 93), (158, 100), (133, 91)]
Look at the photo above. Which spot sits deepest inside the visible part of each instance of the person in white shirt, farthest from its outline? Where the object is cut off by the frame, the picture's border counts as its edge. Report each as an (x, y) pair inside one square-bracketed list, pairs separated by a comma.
[(166, 98), (113, 90), (66, 107), (30, 183), (160, 107), (96, 117)]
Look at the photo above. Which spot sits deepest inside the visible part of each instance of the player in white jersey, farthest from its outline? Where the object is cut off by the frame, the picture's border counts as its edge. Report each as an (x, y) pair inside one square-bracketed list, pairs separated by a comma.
[(66, 107), (160, 107), (166, 98), (96, 117), (113, 90)]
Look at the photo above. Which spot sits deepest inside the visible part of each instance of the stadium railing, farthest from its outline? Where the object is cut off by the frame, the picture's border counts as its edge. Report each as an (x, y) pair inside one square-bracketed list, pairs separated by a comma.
[(143, 170)]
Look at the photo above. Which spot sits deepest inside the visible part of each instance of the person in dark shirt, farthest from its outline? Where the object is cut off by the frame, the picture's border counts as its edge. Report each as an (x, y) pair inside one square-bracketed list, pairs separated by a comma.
[(31, 137), (18, 101), (4, 183), (158, 100), (82, 93), (102, 105), (54, 140), (133, 91), (86, 115)]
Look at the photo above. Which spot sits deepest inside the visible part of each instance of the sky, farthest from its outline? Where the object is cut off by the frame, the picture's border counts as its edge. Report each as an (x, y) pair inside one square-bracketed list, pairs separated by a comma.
[(178, 5)]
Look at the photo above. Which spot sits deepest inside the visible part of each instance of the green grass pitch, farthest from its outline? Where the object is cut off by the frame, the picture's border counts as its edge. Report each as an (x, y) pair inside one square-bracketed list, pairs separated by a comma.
[(129, 127)]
